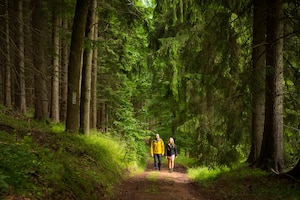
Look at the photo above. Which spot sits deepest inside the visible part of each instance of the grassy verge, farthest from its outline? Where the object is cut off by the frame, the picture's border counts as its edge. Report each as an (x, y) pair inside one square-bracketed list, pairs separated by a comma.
[(242, 182), (41, 161)]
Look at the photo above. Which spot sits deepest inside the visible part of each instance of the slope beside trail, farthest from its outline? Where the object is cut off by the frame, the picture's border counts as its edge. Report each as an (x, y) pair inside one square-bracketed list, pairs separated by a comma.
[(159, 185)]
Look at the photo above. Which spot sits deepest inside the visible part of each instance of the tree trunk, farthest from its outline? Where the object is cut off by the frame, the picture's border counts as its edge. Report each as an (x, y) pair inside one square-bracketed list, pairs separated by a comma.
[(278, 104), (55, 73), (94, 78), (40, 76), (272, 150), (21, 65), (73, 102), (8, 101), (87, 70), (28, 55), (103, 116), (64, 72), (258, 77)]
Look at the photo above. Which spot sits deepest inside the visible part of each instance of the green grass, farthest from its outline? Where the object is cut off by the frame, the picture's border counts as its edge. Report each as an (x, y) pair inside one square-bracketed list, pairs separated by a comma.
[(206, 175), (41, 161), (242, 182), (185, 161), (152, 176)]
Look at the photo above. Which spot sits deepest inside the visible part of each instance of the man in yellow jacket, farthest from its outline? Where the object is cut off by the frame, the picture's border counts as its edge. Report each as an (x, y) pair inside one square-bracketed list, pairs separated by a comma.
[(157, 150)]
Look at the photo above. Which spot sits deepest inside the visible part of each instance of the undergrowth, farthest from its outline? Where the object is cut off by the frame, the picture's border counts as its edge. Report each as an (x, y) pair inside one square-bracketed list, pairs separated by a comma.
[(239, 181), (41, 161), (243, 182)]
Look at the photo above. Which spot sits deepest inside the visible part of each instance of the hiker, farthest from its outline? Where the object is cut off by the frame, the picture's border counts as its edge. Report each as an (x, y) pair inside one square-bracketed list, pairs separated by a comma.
[(157, 150), (171, 153)]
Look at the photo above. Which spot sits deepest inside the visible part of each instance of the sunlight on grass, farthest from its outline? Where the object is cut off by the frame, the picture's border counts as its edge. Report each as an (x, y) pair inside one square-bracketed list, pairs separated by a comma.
[(100, 147), (86, 166), (57, 128), (43, 161), (241, 172), (185, 161), (134, 168), (152, 176), (238, 170), (205, 174), (243, 182)]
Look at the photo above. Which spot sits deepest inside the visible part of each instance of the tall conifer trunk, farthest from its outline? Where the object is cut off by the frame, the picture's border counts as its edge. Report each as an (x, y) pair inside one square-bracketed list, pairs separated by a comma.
[(271, 155), (74, 69), (64, 72), (21, 64), (258, 77), (8, 100), (87, 71), (55, 72), (94, 78), (40, 77)]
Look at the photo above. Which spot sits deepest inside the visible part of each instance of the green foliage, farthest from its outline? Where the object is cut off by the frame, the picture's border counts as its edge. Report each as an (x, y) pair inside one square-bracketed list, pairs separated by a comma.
[(186, 161), (88, 163), (57, 165), (3, 184), (126, 83), (205, 175), (242, 182), (18, 162), (291, 87), (200, 95)]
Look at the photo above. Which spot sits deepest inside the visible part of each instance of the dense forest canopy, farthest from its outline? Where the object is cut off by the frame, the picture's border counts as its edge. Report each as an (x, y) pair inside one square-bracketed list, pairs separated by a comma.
[(221, 77)]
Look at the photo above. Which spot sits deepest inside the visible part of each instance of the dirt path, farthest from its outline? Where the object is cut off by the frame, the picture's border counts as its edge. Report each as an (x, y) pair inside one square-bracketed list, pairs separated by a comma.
[(159, 185)]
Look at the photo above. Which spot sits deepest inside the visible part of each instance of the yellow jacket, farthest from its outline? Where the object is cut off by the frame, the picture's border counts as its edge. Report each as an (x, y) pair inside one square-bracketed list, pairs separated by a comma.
[(157, 147)]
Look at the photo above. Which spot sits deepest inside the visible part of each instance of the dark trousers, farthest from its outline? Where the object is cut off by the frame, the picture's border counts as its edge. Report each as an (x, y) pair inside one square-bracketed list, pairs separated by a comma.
[(157, 161)]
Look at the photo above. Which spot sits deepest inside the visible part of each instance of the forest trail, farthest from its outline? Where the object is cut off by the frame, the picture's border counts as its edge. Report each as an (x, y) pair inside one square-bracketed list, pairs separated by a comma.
[(159, 185)]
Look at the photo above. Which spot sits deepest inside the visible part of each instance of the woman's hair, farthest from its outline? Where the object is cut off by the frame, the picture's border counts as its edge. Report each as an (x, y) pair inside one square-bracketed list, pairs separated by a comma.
[(171, 141)]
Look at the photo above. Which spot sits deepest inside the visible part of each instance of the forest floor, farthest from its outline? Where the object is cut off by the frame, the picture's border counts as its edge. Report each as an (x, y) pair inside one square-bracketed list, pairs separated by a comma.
[(161, 185)]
